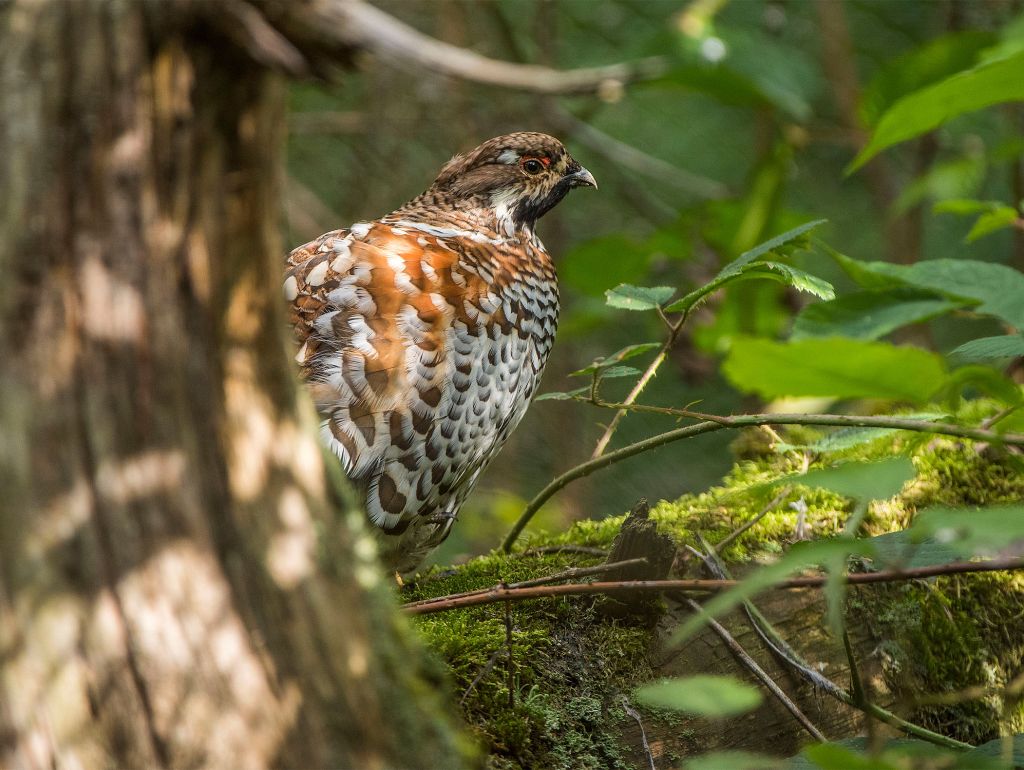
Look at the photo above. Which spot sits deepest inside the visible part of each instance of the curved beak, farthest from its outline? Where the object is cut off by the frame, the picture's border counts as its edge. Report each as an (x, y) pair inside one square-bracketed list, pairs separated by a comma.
[(582, 178)]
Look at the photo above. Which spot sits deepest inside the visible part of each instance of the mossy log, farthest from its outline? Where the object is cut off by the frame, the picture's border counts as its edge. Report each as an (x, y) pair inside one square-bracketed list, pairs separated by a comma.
[(575, 668)]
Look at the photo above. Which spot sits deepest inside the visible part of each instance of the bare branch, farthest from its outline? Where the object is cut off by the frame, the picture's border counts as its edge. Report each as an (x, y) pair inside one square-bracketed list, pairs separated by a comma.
[(357, 24), (502, 593)]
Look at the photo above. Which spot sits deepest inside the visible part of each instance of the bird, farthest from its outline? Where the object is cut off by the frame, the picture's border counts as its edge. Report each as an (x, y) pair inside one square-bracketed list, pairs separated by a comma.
[(422, 336)]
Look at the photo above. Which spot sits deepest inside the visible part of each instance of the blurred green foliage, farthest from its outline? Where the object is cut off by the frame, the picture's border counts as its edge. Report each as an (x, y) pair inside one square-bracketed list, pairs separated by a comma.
[(749, 134)]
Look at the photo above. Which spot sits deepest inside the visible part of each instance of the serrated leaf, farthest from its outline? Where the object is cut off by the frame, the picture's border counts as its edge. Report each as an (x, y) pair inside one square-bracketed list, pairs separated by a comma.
[(704, 695), (735, 268), (989, 83), (992, 221), (996, 288), (836, 367), (791, 276), (987, 379), (990, 348), (869, 315), (994, 749), (628, 297)]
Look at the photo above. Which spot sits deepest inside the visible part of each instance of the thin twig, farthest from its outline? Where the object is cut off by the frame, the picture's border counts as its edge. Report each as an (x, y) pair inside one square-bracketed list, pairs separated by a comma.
[(760, 673), (715, 423), (358, 24), (643, 733), (724, 542), (652, 368), (498, 594), (569, 574), (483, 672)]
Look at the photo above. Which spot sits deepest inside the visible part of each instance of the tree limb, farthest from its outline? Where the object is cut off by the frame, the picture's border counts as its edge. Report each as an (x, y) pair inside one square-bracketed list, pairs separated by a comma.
[(357, 24)]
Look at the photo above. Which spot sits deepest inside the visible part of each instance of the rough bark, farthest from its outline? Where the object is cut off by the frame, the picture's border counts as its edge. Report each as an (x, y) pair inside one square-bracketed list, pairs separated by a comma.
[(177, 588)]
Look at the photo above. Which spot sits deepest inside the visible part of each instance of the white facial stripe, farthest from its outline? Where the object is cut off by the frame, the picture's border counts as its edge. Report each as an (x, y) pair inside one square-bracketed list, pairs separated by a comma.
[(508, 156)]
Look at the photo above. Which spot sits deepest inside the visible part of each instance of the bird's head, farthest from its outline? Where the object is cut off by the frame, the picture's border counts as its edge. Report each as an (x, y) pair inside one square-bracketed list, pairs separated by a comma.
[(520, 176)]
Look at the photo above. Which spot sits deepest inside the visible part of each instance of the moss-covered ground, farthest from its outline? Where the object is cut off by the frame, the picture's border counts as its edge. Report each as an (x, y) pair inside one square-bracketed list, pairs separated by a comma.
[(558, 702)]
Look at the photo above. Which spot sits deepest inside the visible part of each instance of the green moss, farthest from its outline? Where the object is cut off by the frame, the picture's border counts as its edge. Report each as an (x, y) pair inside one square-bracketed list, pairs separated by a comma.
[(571, 665)]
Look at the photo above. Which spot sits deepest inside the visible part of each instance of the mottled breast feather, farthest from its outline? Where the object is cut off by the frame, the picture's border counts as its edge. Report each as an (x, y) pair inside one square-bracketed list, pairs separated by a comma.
[(422, 345)]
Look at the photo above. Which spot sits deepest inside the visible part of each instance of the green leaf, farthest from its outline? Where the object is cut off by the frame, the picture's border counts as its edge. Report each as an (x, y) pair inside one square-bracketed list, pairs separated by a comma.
[(965, 206), (992, 221), (791, 276), (559, 396), (971, 531), (628, 352), (832, 756), (706, 696), (836, 367), (736, 268), (860, 480), (930, 62), (997, 288), (612, 372), (869, 315), (800, 557), (734, 760), (901, 550), (989, 83), (627, 297), (991, 348)]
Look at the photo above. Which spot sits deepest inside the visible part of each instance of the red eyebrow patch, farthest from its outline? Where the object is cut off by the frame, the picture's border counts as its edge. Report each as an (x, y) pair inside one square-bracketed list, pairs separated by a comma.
[(545, 160)]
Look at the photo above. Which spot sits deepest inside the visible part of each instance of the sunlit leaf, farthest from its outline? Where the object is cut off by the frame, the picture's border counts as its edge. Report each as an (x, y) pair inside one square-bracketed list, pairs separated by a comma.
[(791, 276), (989, 83), (706, 696), (990, 348), (736, 268), (965, 206), (930, 62), (877, 480), (628, 297), (837, 367), (869, 315)]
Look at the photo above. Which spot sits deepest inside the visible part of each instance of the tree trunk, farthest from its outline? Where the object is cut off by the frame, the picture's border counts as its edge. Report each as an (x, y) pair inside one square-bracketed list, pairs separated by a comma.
[(176, 588)]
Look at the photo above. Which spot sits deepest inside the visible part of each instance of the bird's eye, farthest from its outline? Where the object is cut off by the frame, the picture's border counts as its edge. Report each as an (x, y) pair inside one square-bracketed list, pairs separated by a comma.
[(532, 166)]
